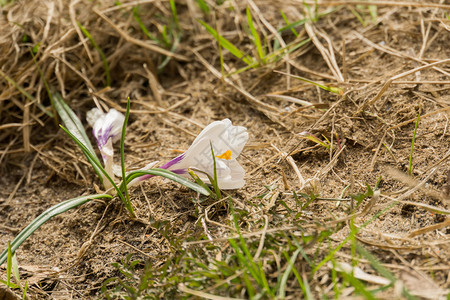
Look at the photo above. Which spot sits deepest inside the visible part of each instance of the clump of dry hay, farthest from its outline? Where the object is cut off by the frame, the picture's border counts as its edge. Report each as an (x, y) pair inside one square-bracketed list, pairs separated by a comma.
[(41, 43), (44, 50)]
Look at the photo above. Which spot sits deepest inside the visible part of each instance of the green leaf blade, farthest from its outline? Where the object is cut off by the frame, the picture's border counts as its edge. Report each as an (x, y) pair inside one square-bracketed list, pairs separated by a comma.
[(227, 44), (44, 217), (256, 38), (169, 175), (76, 128)]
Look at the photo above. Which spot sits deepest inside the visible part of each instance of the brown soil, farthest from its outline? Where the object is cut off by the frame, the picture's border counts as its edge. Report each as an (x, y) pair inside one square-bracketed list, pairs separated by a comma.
[(81, 244)]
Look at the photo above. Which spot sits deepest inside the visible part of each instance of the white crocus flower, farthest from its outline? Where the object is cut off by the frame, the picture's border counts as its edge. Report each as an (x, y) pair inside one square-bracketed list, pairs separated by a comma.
[(107, 129), (227, 141)]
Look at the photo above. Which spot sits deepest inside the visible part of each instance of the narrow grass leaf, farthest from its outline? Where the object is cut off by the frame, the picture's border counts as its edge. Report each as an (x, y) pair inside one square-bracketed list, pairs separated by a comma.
[(100, 52), (314, 139), (173, 8), (227, 44), (169, 175), (142, 26), (122, 153), (203, 6), (291, 26), (375, 263), (373, 10), (250, 289), (199, 181), (358, 16), (8, 264), (265, 282), (358, 285), (288, 25), (285, 277), (334, 90), (256, 38), (25, 288), (215, 184), (44, 217), (280, 53), (412, 144)]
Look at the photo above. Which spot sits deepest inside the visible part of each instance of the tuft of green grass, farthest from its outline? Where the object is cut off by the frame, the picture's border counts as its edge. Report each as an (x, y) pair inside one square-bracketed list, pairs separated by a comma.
[(237, 273)]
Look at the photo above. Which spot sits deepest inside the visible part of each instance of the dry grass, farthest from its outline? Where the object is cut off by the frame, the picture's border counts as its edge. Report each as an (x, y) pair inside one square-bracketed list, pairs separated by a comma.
[(389, 66)]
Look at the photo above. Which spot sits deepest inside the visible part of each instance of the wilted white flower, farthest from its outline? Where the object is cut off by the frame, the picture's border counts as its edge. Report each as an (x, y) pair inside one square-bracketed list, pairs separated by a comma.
[(227, 142), (107, 129)]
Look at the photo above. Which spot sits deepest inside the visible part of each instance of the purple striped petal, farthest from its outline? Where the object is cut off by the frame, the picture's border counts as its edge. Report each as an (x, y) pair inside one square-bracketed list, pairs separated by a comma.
[(173, 162)]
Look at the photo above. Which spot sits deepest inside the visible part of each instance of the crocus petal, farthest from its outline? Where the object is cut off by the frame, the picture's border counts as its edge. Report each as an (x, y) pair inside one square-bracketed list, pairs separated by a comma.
[(224, 136), (236, 177), (93, 115), (106, 126)]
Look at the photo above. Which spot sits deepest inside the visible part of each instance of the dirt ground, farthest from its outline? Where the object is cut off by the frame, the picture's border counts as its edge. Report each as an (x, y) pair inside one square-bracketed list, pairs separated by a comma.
[(382, 64)]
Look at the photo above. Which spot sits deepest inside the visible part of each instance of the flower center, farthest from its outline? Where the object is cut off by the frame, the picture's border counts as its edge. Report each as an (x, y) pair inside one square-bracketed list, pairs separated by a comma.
[(226, 155)]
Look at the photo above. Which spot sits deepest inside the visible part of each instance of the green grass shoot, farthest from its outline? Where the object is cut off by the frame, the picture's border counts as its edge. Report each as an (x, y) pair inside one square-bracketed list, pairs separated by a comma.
[(173, 8), (215, 184), (412, 144), (143, 27), (289, 25), (122, 151), (334, 90), (199, 181), (203, 6), (227, 44), (256, 39), (315, 139)]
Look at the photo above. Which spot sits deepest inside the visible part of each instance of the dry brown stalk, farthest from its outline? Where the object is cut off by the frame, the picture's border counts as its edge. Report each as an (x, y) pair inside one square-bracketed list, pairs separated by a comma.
[(404, 74), (327, 54)]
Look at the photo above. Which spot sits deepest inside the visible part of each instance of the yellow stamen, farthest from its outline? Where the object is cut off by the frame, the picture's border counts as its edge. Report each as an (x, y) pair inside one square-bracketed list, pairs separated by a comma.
[(226, 155)]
